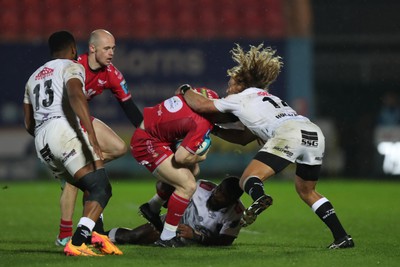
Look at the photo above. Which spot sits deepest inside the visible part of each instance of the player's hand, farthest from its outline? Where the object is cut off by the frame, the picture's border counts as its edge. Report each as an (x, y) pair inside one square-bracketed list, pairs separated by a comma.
[(96, 147), (182, 89), (185, 231)]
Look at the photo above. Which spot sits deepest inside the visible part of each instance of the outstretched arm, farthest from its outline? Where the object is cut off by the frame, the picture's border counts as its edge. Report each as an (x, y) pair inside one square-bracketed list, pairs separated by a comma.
[(241, 137), (196, 101)]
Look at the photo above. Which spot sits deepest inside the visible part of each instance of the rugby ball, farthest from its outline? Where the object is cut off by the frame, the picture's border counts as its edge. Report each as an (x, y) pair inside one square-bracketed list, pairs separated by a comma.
[(203, 148)]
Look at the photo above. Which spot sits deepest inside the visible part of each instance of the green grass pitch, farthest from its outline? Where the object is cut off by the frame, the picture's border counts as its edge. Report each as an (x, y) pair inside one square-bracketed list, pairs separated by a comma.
[(287, 234)]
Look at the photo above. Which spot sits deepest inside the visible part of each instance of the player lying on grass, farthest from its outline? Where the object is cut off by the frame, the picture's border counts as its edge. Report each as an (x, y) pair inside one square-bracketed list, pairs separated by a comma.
[(211, 219)]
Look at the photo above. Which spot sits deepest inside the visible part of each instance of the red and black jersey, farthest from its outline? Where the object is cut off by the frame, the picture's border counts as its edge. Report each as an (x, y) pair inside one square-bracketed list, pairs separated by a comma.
[(106, 78)]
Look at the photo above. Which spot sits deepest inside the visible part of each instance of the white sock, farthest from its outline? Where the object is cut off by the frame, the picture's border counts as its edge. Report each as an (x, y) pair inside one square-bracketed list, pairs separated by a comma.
[(89, 223), (168, 232)]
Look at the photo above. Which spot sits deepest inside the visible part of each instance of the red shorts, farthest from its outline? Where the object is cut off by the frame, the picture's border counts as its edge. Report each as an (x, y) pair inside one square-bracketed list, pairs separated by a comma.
[(149, 151), (91, 119)]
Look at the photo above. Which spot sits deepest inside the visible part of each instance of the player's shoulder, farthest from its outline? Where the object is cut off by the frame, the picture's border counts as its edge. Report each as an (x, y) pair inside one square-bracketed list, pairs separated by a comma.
[(83, 58), (114, 73), (206, 185)]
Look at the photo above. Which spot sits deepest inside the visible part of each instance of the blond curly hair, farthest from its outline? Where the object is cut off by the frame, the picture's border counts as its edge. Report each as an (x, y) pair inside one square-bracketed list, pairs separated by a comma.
[(259, 67)]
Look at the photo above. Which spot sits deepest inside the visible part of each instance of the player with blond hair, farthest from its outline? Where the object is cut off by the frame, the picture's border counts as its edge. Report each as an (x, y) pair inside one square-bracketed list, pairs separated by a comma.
[(287, 137)]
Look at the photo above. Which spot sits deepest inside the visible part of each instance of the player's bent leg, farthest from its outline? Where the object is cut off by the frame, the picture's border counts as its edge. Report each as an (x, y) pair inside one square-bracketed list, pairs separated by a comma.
[(180, 178), (110, 143), (98, 186), (252, 183), (185, 184)]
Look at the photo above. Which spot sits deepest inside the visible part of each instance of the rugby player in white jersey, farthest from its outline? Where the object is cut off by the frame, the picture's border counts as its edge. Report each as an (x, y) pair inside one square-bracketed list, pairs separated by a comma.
[(211, 218), (54, 109), (287, 137), (100, 75)]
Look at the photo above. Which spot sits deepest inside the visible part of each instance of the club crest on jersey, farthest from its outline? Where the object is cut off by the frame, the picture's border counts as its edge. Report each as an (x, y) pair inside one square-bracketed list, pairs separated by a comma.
[(89, 93), (173, 104), (101, 82), (45, 72)]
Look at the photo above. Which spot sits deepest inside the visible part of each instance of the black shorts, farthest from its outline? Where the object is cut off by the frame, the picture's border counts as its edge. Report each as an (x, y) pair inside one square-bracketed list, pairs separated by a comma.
[(305, 172)]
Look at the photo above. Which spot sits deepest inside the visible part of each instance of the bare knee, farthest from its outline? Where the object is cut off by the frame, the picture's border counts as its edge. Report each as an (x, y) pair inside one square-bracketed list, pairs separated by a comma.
[(306, 190), (186, 190)]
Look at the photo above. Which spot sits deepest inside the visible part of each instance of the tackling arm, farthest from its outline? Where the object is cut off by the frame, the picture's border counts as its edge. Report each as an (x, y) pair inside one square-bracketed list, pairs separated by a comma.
[(199, 103), (241, 137)]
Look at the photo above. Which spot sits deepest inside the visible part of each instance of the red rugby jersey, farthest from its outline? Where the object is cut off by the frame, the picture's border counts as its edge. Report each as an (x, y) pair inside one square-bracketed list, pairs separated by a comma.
[(107, 78)]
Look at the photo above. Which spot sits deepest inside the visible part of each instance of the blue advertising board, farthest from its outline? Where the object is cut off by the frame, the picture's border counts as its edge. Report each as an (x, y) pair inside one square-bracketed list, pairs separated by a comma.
[(152, 69)]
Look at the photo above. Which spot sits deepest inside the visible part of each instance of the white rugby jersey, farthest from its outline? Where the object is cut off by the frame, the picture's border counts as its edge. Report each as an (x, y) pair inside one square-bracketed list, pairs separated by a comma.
[(199, 217), (45, 89), (260, 111)]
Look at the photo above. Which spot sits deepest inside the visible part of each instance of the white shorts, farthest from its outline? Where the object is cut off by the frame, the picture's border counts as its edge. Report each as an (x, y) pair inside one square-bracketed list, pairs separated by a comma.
[(63, 149), (297, 141)]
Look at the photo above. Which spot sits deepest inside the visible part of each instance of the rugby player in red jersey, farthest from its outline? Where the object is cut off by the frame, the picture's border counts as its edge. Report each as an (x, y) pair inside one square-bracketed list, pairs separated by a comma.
[(101, 75), (153, 146)]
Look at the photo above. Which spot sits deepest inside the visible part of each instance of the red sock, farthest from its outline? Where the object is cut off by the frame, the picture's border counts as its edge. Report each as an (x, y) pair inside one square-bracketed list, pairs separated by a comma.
[(176, 207), (65, 229)]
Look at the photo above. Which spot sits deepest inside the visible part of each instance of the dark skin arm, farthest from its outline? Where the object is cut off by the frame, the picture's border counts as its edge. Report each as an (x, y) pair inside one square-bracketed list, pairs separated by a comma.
[(241, 137), (187, 232), (29, 120), (80, 106)]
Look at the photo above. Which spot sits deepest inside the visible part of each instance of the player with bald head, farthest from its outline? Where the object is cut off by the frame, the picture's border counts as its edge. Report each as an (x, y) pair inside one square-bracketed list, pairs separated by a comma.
[(101, 75)]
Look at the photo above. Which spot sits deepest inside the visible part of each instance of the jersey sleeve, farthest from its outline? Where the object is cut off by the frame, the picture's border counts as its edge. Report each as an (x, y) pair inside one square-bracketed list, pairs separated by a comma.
[(74, 70), (228, 104), (118, 85), (27, 99)]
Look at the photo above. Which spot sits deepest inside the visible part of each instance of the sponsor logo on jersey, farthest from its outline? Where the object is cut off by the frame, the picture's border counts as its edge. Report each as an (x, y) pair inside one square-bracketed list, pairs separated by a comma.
[(284, 150), (309, 138), (173, 104), (124, 86), (263, 93), (66, 156), (46, 153), (45, 72), (281, 115)]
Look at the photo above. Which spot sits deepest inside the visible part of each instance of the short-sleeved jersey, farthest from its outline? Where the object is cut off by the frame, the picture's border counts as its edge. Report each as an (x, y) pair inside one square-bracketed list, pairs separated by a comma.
[(260, 111), (173, 120), (45, 89), (200, 218), (106, 78)]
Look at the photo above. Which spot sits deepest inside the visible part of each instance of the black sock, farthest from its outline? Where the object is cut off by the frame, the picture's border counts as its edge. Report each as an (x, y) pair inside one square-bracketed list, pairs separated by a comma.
[(99, 226), (327, 214), (254, 187), (81, 235)]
